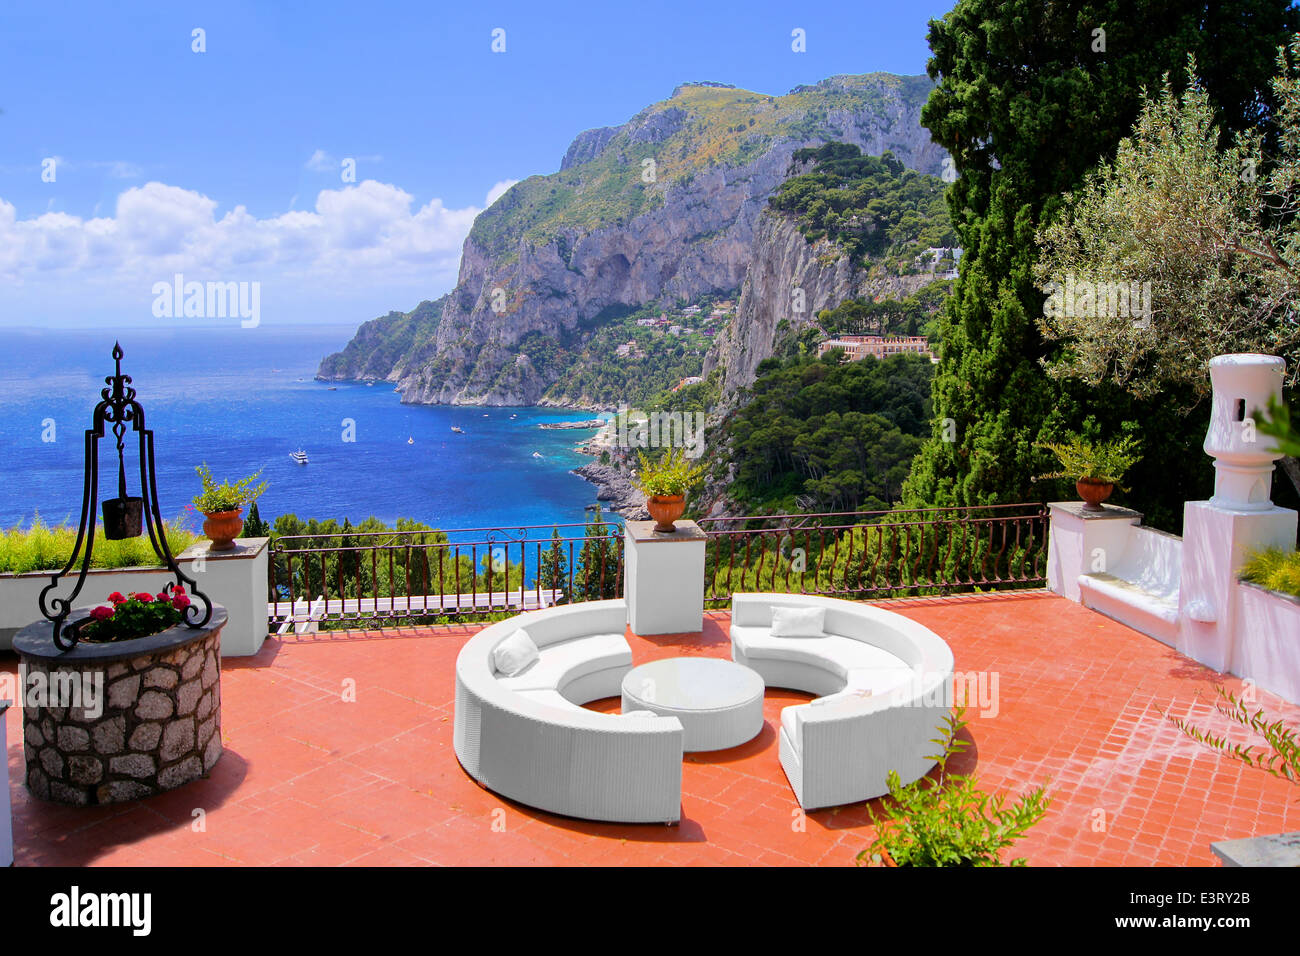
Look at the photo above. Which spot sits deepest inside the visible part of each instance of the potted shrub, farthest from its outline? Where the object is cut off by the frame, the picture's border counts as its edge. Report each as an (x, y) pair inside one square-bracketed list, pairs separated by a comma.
[(665, 483), (1095, 467), (222, 505)]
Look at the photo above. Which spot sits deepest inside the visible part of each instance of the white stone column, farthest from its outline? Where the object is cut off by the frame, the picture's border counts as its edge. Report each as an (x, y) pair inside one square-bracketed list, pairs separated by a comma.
[(6, 814), (664, 578), (1219, 534), (1083, 542)]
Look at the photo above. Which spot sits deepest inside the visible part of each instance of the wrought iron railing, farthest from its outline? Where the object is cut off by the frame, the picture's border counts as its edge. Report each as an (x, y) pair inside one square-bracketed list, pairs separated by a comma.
[(392, 578), (877, 554)]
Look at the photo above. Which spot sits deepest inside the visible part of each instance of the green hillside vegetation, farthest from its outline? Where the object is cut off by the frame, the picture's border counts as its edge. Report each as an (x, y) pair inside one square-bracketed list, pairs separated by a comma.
[(871, 207), (380, 343), (843, 433), (698, 128), (916, 314), (593, 373)]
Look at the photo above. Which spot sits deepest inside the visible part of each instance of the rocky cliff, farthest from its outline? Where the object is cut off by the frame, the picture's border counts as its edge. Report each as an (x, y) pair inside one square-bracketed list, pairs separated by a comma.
[(667, 205), (788, 281)]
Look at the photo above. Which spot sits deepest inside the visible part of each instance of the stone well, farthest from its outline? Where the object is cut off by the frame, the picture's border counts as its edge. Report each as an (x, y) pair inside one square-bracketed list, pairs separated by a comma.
[(104, 723)]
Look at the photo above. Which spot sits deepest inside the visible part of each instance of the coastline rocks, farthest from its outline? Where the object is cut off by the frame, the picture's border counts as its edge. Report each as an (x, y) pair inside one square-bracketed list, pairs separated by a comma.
[(615, 487)]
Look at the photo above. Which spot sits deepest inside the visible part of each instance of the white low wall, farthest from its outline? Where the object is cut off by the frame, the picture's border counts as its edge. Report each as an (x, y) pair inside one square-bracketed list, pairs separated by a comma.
[(1268, 640), (235, 579)]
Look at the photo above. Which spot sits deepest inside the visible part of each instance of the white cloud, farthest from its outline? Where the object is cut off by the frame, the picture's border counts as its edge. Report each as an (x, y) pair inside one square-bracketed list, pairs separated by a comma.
[(369, 236), (321, 162), (499, 190)]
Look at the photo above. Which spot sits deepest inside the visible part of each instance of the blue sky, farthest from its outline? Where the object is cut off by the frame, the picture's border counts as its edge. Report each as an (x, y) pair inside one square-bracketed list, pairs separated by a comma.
[(226, 163)]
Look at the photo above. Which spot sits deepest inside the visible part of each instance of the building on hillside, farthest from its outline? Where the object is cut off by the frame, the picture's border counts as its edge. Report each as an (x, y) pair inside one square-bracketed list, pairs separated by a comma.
[(645, 323), (629, 349), (860, 346), (691, 310), (688, 380)]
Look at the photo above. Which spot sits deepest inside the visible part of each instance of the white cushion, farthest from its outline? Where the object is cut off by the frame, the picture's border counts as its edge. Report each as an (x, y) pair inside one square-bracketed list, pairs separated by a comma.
[(568, 660), (514, 653), (798, 622), (839, 655)]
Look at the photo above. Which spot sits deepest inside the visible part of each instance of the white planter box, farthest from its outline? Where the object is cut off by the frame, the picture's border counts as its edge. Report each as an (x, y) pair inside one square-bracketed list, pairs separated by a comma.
[(1268, 640), (235, 579)]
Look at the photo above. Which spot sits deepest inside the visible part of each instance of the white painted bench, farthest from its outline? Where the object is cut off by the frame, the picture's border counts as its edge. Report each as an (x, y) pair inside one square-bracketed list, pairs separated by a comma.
[(527, 738), (885, 684), (1139, 586)]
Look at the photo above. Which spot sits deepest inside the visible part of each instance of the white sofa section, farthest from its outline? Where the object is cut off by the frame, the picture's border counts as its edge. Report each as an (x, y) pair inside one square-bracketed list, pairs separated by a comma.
[(1139, 585), (527, 738), (885, 686)]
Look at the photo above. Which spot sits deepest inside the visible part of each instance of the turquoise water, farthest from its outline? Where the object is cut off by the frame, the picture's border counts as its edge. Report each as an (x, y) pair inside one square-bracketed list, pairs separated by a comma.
[(242, 400)]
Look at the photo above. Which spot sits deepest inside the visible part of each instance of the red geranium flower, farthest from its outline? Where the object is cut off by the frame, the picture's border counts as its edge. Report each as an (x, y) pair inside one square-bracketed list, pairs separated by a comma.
[(144, 597), (102, 613), (180, 602), (162, 596), (116, 597)]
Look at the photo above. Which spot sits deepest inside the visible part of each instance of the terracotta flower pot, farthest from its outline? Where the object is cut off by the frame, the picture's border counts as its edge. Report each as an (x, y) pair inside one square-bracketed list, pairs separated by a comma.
[(1093, 492), (665, 509), (223, 528)]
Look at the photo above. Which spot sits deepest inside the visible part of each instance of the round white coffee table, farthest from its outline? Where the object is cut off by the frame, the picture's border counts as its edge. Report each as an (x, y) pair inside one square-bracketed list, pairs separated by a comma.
[(719, 703)]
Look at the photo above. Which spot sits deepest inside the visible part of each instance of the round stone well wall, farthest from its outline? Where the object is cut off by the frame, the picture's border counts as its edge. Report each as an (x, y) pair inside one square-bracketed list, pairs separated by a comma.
[(145, 715)]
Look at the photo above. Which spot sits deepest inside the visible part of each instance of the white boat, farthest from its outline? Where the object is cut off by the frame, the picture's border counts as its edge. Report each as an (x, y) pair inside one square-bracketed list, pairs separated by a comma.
[(410, 441), (370, 384), (536, 455), (458, 430), (299, 456)]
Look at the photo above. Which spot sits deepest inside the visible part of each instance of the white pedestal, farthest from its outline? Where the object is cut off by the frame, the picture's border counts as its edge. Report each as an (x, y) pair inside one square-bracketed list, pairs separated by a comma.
[(1084, 542), (6, 817), (1216, 542), (237, 580), (664, 584)]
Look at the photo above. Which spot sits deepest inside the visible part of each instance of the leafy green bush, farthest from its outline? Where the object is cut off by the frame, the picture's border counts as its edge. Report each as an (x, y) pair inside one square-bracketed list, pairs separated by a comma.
[(225, 496), (1100, 461), (1275, 569), (672, 474), (45, 548), (949, 821)]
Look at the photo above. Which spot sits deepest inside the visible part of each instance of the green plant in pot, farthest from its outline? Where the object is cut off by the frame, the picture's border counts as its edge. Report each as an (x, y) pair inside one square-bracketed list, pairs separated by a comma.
[(665, 483), (222, 505), (1096, 467)]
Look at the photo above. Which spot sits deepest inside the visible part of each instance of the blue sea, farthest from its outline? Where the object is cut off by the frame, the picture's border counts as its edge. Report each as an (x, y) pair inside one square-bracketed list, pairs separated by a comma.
[(241, 400)]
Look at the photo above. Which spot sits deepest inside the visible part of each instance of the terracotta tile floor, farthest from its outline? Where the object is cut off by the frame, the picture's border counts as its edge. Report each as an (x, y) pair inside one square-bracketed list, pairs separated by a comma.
[(308, 778)]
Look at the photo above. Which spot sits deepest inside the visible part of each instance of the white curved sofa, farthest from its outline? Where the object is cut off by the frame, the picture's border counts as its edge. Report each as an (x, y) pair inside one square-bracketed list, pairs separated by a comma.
[(527, 738), (885, 686)]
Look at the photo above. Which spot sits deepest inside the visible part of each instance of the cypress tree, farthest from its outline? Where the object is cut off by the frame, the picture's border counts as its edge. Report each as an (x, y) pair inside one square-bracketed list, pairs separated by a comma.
[(1029, 97)]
